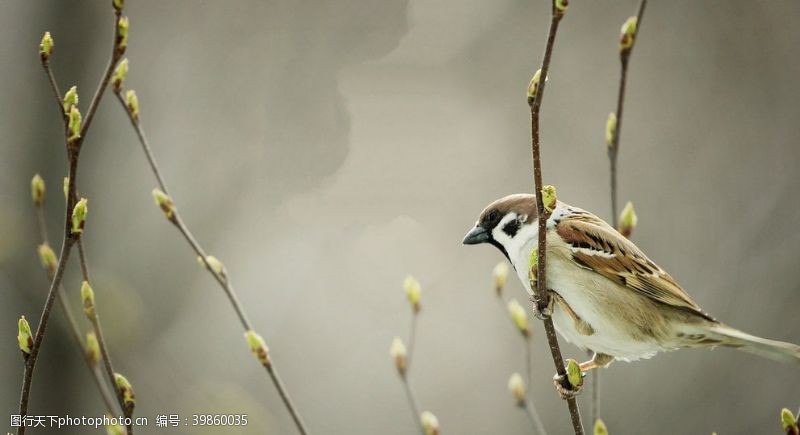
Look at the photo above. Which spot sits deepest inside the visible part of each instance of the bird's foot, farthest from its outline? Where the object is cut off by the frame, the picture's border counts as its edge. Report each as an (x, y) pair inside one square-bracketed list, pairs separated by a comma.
[(566, 390), (541, 310)]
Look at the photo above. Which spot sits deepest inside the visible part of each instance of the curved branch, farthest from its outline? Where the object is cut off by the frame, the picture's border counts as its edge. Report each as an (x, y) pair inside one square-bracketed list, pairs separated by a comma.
[(222, 279), (540, 291)]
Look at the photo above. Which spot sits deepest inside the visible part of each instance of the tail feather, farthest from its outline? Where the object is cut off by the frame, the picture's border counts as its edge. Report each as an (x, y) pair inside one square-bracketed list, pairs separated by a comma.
[(780, 351)]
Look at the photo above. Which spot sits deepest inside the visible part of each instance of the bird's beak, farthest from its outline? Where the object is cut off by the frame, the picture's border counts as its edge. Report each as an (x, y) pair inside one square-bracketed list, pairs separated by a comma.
[(475, 236)]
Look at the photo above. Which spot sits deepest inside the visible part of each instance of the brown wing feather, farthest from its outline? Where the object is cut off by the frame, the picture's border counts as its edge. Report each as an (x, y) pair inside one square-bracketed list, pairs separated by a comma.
[(600, 248)]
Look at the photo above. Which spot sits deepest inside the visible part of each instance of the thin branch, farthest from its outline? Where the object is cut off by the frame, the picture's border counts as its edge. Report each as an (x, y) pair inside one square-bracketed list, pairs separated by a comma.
[(412, 403), (412, 339), (540, 290), (527, 403), (410, 397), (66, 246), (101, 341), (116, 55), (613, 151), (69, 239), (74, 329), (533, 416), (530, 409), (51, 78), (222, 279)]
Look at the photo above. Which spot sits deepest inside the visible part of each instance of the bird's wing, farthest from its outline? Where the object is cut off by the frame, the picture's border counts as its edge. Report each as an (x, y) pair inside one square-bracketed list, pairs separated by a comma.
[(600, 248)]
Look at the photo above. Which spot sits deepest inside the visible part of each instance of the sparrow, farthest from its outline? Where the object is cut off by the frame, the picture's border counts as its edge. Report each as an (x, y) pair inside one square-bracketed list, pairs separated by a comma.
[(607, 296)]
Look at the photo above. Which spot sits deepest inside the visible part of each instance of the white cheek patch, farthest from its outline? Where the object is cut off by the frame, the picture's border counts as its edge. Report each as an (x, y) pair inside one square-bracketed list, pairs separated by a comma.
[(516, 244), (497, 232)]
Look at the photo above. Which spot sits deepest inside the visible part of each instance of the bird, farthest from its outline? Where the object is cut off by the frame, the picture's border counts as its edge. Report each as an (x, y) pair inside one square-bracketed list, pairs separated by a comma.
[(607, 296)]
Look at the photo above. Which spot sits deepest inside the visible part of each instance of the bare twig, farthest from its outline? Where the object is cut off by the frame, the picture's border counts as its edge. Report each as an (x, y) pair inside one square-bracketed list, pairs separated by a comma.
[(540, 290), (222, 278), (73, 145), (613, 151)]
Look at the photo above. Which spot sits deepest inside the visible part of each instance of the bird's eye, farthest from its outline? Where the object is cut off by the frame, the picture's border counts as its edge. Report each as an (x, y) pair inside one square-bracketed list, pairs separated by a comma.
[(492, 218)]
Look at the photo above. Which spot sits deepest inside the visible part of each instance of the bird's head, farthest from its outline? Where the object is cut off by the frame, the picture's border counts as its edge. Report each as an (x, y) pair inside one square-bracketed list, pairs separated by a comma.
[(508, 223)]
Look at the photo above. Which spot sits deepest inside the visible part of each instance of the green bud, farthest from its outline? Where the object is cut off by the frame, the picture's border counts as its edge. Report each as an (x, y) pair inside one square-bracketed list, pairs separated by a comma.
[(25, 337), (258, 347), (611, 129), (87, 296), (517, 388), (533, 86), (66, 187), (430, 424), (37, 190), (533, 267), (132, 103), (79, 216), (627, 34), (125, 387), (788, 421), (600, 428), (74, 124), (47, 257), (627, 220), (500, 274), (115, 430), (70, 99), (92, 348), (46, 46), (561, 6), (118, 5), (413, 292), (165, 203), (120, 74), (215, 265), (399, 354), (519, 317), (574, 375), (122, 34), (549, 197)]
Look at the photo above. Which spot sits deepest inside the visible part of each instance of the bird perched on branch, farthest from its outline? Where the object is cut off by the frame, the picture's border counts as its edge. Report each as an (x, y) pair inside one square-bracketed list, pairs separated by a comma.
[(605, 294)]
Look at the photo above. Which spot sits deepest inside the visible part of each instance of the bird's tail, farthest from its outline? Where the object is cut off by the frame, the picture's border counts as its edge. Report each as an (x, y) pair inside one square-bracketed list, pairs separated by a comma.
[(780, 351)]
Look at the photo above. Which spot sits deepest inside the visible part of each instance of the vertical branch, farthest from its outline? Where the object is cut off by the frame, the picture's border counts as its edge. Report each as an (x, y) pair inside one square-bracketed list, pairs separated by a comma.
[(412, 400), (403, 355), (49, 262), (75, 133), (626, 48), (627, 41), (541, 295), (212, 265)]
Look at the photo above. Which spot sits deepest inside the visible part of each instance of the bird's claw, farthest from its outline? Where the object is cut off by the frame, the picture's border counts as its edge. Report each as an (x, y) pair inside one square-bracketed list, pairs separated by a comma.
[(566, 390), (540, 310)]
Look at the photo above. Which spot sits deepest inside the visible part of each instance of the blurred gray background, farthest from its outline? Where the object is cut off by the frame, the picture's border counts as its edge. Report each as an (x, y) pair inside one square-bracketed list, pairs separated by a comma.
[(323, 150)]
